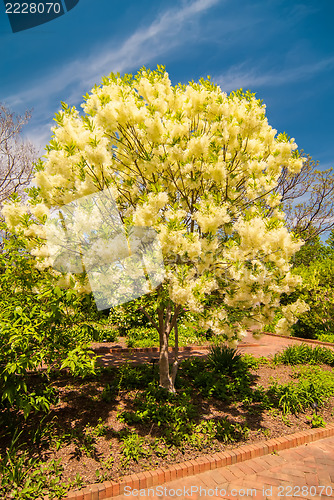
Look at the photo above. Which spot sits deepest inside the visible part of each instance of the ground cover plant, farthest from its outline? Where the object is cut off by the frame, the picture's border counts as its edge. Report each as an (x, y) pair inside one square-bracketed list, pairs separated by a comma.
[(305, 354), (118, 420)]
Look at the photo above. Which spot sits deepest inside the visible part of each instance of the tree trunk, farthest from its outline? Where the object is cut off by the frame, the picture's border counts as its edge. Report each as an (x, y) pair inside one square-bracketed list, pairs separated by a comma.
[(165, 378), (166, 322), (176, 355), (165, 327)]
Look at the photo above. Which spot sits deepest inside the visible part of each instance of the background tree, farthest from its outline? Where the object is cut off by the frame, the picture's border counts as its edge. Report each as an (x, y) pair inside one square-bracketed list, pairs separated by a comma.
[(308, 199), (16, 155), (308, 203), (200, 167), (330, 241), (313, 250)]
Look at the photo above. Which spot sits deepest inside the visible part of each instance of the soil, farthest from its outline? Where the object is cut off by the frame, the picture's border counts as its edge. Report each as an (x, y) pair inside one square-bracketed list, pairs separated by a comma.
[(80, 404)]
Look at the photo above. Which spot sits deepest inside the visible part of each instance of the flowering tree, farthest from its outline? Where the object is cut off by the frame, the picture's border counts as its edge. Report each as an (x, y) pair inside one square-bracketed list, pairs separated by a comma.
[(198, 166)]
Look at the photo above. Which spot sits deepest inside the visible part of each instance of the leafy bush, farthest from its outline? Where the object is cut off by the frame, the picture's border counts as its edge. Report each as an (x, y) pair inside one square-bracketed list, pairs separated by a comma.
[(201, 375), (135, 377), (40, 324), (142, 336), (172, 413), (326, 337), (312, 250), (191, 367), (128, 316), (317, 291), (301, 354), (252, 362), (211, 385), (102, 333), (223, 359)]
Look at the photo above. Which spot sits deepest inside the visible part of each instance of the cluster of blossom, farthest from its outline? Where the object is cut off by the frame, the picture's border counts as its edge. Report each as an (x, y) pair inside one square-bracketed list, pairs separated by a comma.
[(291, 312), (197, 165)]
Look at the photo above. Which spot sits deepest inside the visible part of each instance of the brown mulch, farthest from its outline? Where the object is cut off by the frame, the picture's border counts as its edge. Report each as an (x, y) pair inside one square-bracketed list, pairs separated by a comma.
[(80, 405)]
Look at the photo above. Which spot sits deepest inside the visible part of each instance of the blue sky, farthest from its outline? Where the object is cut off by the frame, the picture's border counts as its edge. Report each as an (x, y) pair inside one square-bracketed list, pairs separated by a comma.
[(282, 50)]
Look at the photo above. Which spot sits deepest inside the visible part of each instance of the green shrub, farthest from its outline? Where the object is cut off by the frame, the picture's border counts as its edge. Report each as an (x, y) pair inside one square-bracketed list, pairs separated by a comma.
[(313, 250), (40, 324), (223, 359), (231, 380), (191, 367), (211, 385), (254, 363), (142, 336), (129, 316), (317, 291), (135, 377), (301, 354), (173, 414), (326, 337)]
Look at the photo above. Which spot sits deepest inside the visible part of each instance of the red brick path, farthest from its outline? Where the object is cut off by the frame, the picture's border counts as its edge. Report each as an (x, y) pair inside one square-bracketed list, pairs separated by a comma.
[(304, 472)]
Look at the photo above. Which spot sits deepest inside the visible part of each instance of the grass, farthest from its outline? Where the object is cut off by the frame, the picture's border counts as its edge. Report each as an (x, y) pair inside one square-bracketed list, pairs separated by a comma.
[(145, 336)]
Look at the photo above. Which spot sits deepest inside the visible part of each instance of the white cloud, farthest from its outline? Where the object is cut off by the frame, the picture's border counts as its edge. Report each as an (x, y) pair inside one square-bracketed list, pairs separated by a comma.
[(164, 34), (39, 135), (241, 76), (68, 83)]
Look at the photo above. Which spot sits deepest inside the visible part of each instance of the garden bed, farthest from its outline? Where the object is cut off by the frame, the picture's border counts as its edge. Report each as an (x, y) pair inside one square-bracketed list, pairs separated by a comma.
[(119, 422), (261, 423)]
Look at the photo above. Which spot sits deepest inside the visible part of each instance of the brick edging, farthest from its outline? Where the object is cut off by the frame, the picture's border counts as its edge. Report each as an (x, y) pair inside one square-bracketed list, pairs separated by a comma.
[(300, 339), (120, 350), (133, 350), (148, 479), (113, 350)]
